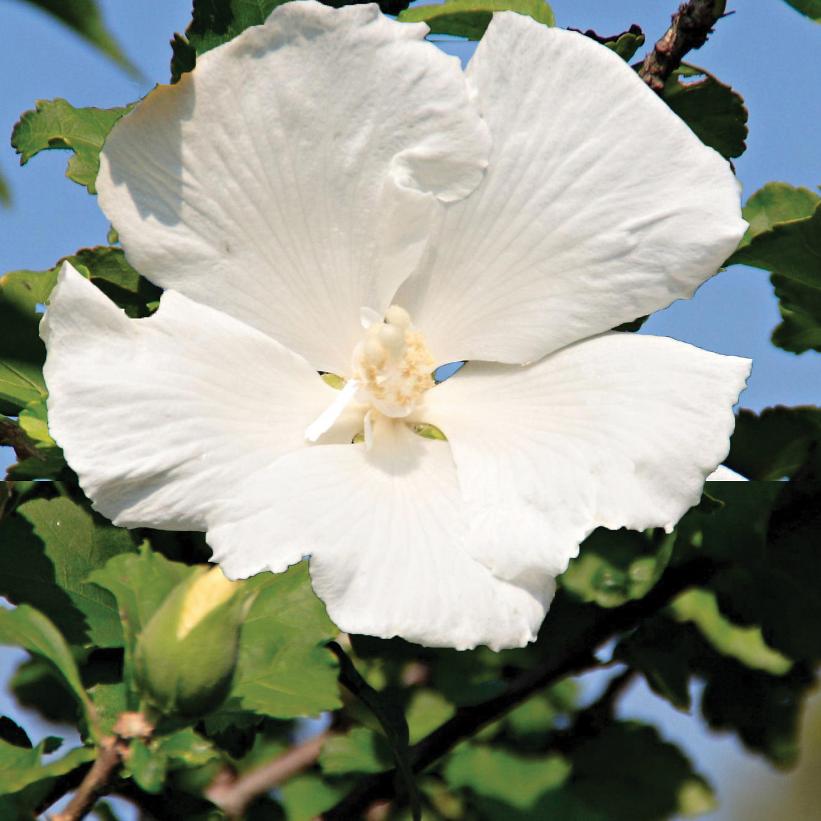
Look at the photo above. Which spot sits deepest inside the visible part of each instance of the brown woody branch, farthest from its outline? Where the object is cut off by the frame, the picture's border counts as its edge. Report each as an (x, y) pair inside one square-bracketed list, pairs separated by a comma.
[(234, 794), (691, 25), (468, 720), (96, 781), (111, 753)]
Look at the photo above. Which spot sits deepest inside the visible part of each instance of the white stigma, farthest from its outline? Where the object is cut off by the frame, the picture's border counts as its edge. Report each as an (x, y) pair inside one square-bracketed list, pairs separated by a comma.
[(392, 365)]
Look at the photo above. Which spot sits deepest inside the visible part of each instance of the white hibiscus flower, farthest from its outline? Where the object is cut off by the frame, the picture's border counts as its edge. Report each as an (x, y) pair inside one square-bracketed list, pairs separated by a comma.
[(328, 192)]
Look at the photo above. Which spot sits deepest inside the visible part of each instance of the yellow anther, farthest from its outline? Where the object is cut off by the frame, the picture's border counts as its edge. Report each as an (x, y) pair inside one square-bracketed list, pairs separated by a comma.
[(392, 365)]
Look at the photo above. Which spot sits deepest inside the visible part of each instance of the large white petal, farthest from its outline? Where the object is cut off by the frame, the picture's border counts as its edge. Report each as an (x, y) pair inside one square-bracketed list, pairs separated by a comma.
[(617, 431), (293, 177), (385, 530), (599, 204), (162, 417)]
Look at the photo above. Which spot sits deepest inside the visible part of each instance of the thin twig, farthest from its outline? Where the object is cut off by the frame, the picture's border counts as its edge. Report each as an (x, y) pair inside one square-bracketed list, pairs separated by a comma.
[(234, 794), (469, 720), (110, 756), (690, 27), (111, 752)]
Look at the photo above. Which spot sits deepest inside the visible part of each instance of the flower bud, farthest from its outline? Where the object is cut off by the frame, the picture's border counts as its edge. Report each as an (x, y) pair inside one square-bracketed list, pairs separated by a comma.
[(187, 652)]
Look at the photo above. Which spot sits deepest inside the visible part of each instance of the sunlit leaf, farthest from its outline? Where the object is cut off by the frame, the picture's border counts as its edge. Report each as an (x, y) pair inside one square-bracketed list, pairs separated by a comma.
[(57, 124), (284, 669), (21, 352), (470, 18), (21, 767), (308, 796), (627, 43), (359, 751), (513, 779), (742, 643), (45, 458), (774, 203), (28, 628), (47, 549), (615, 566), (791, 250), (426, 710)]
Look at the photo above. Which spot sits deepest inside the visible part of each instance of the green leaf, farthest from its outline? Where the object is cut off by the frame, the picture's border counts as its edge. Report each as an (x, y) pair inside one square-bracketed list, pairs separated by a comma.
[(212, 24), (809, 8), (470, 18), (621, 772), (761, 708), (147, 765), (774, 203), (625, 44), (28, 628), (13, 733), (108, 269), (308, 796), (284, 669), (615, 566), (790, 597), (186, 748), (47, 549), (513, 779), (20, 767), (57, 124), (426, 710), (393, 723), (659, 775), (38, 686), (774, 444), (764, 710), (21, 352), (791, 249), (745, 644), (714, 111), (46, 457), (800, 308), (110, 699), (359, 751), (140, 584), (85, 18), (5, 194)]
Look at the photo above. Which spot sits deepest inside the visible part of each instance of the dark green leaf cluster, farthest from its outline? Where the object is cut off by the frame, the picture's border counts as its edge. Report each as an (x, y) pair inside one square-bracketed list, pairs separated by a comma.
[(729, 600)]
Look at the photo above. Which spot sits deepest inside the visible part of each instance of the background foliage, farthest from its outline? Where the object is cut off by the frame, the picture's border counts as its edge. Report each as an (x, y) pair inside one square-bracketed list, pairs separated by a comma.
[(730, 599)]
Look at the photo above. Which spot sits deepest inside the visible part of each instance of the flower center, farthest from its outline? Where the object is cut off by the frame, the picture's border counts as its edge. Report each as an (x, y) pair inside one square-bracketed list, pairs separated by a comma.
[(392, 365)]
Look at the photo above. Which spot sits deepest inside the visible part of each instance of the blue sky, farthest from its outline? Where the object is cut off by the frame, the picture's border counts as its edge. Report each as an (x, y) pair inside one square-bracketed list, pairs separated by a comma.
[(766, 51)]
